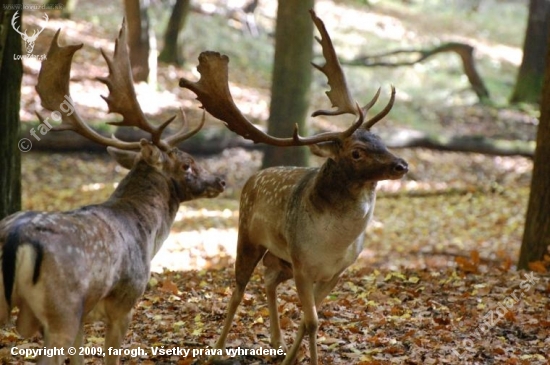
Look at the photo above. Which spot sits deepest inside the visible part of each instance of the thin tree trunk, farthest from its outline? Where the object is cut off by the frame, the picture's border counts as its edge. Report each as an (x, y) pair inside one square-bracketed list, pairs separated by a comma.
[(138, 37), (11, 72), (531, 72), (536, 236), (172, 50), (291, 80)]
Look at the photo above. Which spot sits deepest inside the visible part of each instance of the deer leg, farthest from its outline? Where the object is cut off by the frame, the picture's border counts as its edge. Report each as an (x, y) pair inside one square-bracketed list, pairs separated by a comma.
[(248, 256), (276, 272), (117, 326), (27, 324), (323, 288), (309, 323), (60, 333), (78, 359)]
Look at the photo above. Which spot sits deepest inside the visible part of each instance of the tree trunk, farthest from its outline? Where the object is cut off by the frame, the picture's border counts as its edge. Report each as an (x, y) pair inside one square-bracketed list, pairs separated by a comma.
[(11, 72), (138, 37), (536, 236), (531, 72), (172, 50), (291, 80)]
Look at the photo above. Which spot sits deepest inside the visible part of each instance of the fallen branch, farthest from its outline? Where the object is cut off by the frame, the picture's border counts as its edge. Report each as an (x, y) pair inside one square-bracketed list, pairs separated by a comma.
[(465, 51), (475, 144)]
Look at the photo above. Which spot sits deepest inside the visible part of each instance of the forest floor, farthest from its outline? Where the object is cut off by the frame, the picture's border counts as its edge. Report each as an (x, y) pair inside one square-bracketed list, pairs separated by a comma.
[(435, 284)]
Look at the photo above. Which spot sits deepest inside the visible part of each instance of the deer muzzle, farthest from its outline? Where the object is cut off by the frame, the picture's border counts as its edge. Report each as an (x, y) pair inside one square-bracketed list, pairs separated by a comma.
[(216, 188), (400, 167)]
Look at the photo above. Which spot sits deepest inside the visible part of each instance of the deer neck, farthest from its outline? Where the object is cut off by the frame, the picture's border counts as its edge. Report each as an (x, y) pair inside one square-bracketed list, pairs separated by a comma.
[(334, 188), (151, 197)]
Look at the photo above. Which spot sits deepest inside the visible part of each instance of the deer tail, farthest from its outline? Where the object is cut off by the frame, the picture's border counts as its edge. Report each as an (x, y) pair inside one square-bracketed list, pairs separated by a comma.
[(9, 261)]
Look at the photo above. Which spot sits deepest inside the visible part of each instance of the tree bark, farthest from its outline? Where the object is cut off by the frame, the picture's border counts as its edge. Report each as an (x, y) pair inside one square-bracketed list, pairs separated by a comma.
[(531, 72), (291, 80), (11, 72), (536, 236), (138, 37), (172, 50)]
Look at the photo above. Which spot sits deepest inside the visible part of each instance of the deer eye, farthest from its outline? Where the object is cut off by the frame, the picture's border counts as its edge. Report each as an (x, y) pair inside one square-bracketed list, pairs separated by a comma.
[(355, 154), (186, 167)]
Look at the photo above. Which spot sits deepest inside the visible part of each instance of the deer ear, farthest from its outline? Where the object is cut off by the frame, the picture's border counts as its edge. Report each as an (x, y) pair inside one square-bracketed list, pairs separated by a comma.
[(325, 149), (124, 158), (151, 154)]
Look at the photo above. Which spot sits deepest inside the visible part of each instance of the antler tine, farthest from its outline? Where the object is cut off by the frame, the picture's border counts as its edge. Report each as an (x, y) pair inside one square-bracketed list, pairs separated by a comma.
[(122, 97), (373, 101), (339, 93), (53, 89), (163, 126), (332, 136), (383, 112), (183, 134)]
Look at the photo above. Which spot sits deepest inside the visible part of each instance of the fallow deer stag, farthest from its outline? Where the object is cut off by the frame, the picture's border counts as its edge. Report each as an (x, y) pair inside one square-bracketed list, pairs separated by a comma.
[(93, 263), (306, 223)]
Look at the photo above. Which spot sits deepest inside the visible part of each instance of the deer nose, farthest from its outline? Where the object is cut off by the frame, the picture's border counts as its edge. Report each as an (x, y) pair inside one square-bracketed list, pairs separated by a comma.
[(401, 166), (221, 183)]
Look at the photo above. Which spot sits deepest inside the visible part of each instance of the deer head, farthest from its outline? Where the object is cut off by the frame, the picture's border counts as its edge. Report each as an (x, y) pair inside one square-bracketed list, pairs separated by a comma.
[(29, 40), (189, 179)]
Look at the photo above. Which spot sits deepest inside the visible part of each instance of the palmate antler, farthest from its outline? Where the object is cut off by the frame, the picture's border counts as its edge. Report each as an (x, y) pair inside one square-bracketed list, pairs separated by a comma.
[(339, 94), (53, 89), (213, 92)]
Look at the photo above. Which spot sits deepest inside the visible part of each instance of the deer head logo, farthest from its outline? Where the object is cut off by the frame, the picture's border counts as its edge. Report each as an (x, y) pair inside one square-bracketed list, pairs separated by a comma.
[(29, 40)]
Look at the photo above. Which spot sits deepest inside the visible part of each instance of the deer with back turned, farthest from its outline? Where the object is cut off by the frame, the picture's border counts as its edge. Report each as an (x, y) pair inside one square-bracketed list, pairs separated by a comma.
[(306, 223), (93, 263)]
